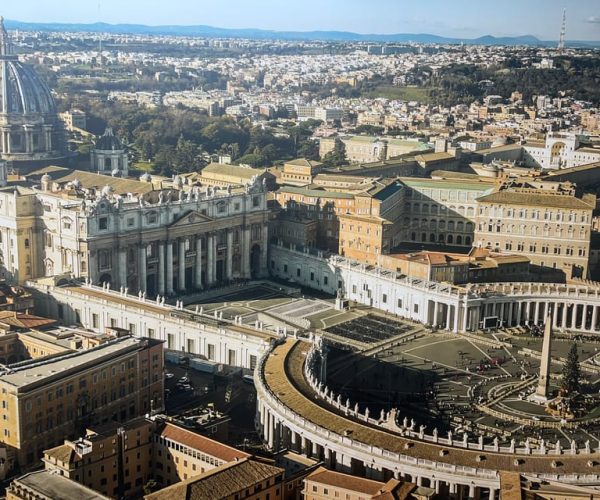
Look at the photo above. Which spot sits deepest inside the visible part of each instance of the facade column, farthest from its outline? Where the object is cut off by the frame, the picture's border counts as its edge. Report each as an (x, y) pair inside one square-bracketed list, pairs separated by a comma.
[(527, 313), (211, 258), (536, 314), (48, 137), (565, 311), (123, 267), (246, 247), (181, 278), (456, 311), (199, 263), (584, 317), (143, 269), (264, 250), (465, 323), (519, 312), (509, 319), (448, 317), (555, 315), (435, 313), (293, 441), (27, 137), (161, 268), (471, 491), (229, 261), (594, 318), (501, 314), (169, 268), (574, 317), (5, 141)]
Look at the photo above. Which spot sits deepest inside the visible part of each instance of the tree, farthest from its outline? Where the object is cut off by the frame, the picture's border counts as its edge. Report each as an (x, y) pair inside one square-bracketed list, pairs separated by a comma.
[(337, 156), (571, 374)]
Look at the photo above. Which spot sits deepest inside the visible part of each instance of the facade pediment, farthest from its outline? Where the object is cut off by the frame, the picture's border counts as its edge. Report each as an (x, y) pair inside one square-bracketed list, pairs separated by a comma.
[(193, 217)]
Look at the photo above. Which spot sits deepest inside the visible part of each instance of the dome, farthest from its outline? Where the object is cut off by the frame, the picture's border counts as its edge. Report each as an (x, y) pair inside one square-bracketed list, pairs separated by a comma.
[(108, 141), (22, 91)]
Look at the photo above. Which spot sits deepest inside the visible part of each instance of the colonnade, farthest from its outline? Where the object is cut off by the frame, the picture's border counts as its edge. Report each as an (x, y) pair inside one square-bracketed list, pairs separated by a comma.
[(281, 434), (580, 316), (190, 262), (27, 145)]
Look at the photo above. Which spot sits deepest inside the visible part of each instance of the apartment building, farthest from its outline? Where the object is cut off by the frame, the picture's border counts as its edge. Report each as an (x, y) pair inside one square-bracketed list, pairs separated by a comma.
[(547, 222), (43, 401)]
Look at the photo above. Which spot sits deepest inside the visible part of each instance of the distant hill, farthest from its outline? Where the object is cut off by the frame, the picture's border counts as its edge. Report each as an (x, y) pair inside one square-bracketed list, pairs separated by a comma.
[(210, 31)]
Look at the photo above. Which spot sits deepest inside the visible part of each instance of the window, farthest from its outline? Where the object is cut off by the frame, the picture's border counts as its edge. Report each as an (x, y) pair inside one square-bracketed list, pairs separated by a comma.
[(103, 223), (94, 320), (256, 201), (384, 298)]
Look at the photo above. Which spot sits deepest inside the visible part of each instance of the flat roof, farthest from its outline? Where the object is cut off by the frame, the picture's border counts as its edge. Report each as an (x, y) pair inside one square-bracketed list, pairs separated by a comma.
[(34, 371), (462, 185), (315, 192), (52, 485)]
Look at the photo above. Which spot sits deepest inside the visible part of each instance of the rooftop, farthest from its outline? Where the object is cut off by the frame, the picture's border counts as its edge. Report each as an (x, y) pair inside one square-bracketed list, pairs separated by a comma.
[(199, 442), (316, 193), (221, 482), (460, 185), (535, 198), (34, 372), (52, 486), (232, 170)]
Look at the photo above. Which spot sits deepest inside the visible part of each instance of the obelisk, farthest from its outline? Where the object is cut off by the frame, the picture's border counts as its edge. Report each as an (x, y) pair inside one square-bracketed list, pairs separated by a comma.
[(544, 382)]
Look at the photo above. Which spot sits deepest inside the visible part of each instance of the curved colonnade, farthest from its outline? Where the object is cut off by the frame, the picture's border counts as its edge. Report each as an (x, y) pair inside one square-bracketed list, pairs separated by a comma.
[(296, 411)]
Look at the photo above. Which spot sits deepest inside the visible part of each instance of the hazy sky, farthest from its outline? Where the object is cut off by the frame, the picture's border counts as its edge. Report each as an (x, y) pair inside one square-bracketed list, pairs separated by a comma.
[(461, 18)]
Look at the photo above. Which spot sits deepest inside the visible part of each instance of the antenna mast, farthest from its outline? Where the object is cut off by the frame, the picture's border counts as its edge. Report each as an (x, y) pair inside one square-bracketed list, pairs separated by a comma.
[(563, 32)]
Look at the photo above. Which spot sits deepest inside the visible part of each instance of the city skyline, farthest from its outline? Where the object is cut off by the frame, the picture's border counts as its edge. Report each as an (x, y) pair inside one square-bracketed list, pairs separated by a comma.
[(466, 19)]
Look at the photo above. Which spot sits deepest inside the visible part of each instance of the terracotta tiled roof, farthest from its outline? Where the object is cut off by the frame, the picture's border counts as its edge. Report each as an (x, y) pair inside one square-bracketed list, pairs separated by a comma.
[(535, 199), (63, 453), (198, 442), (22, 320), (345, 481), (222, 482)]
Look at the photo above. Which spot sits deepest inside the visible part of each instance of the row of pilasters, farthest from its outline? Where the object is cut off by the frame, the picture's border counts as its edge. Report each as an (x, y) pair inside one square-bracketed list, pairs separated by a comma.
[(278, 436), (202, 273)]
